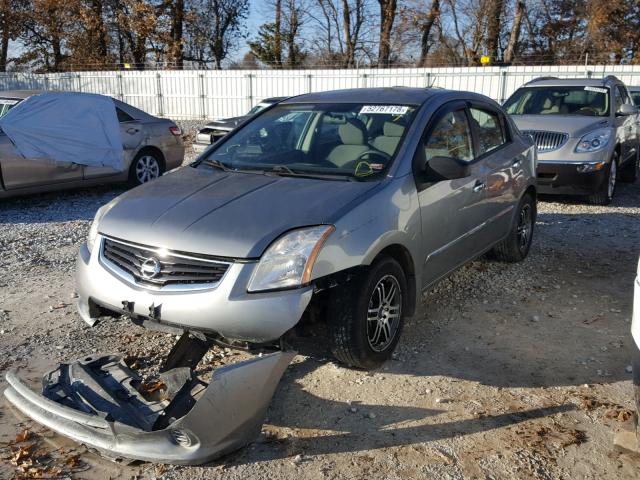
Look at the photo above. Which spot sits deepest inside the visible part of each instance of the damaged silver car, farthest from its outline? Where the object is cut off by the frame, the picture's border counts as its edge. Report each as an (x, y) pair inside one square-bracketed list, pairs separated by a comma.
[(342, 206)]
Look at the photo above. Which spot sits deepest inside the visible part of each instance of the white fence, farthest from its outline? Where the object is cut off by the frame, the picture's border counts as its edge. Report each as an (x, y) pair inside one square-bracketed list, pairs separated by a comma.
[(198, 94)]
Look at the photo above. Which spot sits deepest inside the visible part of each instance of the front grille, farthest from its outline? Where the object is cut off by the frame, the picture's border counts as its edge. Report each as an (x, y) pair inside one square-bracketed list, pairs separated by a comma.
[(547, 141), (153, 267)]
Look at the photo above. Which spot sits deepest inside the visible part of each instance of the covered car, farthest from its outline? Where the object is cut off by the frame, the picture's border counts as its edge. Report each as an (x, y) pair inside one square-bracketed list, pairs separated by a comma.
[(58, 140)]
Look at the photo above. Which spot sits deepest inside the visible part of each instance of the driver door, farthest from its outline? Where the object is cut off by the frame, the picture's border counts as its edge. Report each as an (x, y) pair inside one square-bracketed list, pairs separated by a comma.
[(452, 211)]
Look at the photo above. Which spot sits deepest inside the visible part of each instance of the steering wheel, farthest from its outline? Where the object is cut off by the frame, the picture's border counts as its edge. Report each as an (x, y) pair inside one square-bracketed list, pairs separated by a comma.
[(384, 155)]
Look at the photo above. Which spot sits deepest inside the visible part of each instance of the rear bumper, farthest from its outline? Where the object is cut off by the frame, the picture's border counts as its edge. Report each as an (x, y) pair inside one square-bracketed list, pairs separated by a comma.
[(227, 415), (563, 178), (226, 309)]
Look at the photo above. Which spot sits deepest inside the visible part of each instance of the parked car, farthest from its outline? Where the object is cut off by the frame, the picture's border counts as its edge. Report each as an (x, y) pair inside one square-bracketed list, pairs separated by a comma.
[(635, 332), (586, 132), (365, 197), (151, 146), (214, 131), (8, 100)]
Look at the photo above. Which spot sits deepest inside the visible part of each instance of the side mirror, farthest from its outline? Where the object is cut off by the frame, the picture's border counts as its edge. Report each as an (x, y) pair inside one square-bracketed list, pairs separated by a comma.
[(447, 167), (627, 109)]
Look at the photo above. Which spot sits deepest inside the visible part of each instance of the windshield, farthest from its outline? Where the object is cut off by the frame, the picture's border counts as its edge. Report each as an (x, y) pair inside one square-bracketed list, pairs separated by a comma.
[(323, 140), (7, 104), (576, 100)]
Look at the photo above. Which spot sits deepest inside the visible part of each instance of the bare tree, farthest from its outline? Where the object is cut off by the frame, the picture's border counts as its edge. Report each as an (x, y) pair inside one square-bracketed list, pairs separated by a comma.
[(494, 11), (425, 30), (514, 36), (388, 10)]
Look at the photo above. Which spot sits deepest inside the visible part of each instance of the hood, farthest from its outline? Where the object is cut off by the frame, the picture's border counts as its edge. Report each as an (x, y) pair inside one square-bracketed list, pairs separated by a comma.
[(227, 214), (231, 122), (574, 125)]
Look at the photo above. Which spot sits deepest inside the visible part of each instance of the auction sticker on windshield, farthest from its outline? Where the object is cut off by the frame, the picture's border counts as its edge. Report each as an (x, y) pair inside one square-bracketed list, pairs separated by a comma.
[(385, 109), (596, 89)]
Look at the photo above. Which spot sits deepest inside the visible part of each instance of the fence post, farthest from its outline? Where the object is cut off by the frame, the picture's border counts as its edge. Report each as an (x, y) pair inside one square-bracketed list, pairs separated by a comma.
[(46, 82), (502, 84), (427, 79), (79, 77), (249, 78), (203, 97), (364, 76), (120, 87), (309, 84), (159, 92)]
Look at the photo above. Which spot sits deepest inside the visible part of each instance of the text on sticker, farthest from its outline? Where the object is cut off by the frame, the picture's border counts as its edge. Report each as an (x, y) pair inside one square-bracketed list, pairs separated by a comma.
[(385, 109), (596, 89)]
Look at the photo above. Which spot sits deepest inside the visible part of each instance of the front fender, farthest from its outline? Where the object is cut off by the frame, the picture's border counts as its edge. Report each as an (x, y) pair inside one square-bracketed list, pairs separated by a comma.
[(390, 217)]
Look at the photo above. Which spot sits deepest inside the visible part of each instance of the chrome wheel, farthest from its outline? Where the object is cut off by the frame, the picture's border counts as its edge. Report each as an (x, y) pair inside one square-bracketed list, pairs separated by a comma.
[(524, 228), (612, 179), (383, 314), (147, 168)]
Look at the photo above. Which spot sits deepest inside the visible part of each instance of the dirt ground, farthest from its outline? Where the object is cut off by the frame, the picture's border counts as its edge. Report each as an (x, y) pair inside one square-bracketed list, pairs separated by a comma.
[(509, 371)]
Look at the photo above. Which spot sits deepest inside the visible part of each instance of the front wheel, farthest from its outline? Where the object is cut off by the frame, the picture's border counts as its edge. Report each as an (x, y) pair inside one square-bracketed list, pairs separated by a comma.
[(515, 247), (366, 315), (145, 167), (608, 189)]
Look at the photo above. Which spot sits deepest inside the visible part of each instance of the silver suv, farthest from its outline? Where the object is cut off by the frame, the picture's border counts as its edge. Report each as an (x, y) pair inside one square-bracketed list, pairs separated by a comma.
[(350, 201), (586, 132)]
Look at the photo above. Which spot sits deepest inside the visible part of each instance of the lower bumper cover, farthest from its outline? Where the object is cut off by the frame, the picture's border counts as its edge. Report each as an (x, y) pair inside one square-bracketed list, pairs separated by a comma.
[(97, 402), (563, 178)]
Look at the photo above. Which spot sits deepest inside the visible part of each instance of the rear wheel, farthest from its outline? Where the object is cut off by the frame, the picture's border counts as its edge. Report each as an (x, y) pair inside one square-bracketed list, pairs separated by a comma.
[(145, 167), (515, 247), (608, 188), (366, 315)]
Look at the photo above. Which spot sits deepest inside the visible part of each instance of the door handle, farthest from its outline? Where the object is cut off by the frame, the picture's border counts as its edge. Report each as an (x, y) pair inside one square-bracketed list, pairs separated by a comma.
[(479, 186), (132, 130)]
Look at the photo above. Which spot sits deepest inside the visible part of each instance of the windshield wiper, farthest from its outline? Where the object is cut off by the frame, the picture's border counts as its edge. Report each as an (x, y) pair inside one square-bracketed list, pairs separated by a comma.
[(216, 164), (284, 171)]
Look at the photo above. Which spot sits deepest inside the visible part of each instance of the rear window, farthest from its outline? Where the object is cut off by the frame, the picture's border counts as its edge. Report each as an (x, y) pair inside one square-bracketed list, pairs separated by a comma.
[(574, 100)]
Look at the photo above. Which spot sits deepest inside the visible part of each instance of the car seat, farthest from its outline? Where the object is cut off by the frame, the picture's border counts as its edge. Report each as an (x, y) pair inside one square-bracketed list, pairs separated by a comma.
[(353, 136), (388, 141)]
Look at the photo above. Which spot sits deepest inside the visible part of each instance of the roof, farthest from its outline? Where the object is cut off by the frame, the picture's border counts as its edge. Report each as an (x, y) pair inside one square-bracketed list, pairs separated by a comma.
[(273, 99), (21, 94), (389, 95), (572, 82)]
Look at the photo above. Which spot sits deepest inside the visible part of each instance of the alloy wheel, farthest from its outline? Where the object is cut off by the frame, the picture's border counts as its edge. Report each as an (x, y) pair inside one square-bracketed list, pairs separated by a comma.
[(383, 314), (612, 179), (147, 169), (524, 228)]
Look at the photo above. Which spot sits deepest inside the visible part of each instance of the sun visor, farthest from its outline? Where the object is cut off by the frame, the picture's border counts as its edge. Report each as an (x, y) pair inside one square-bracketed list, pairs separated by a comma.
[(79, 128)]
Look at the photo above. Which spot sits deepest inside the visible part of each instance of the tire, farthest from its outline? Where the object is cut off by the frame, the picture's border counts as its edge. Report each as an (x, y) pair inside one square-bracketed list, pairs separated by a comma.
[(608, 189), (357, 339), (146, 166), (516, 246), (630, 172)]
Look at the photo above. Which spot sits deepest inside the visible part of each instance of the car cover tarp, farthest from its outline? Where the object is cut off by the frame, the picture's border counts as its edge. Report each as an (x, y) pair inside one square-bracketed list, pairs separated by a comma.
[(77, 128)]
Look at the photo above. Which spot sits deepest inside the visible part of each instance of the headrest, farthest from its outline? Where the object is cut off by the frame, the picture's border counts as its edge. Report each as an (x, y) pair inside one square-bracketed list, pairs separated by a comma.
[(547, 103), (353, 132), (391, 129)]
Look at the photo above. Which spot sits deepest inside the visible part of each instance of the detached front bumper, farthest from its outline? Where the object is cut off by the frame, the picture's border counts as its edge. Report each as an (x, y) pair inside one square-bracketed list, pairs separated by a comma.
[(226, 309), (199, 147), (95, 402), (565, 178)]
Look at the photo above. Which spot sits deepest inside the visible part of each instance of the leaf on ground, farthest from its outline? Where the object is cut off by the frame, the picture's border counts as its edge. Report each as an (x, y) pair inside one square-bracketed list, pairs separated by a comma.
[(23, 436), (152, 387), (619, 414)]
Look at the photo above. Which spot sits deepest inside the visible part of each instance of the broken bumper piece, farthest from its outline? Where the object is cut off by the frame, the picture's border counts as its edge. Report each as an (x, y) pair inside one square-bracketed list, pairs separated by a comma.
[(101, 403)]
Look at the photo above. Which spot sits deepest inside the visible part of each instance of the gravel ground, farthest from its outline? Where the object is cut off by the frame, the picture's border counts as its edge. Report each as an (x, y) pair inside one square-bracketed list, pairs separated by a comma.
[(509, 371)]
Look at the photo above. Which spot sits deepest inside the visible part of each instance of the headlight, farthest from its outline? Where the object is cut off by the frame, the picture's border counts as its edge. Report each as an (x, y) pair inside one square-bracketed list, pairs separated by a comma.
[(289, 260), (93, 231), (594, 141)]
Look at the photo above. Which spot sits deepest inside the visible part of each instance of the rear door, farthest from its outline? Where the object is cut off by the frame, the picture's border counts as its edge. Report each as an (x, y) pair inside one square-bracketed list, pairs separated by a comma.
[(452, 211), (132, 135), (503, 162)]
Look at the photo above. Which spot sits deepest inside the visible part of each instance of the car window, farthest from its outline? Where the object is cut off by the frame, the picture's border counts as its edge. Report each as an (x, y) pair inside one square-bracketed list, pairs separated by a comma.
[(7, 104), (636, 97), (622, 97), (123, 116), (490, 132), (574, 100), (320, 139), (451, 137)]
